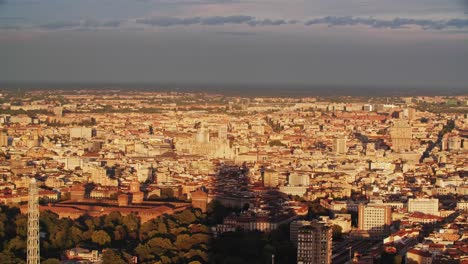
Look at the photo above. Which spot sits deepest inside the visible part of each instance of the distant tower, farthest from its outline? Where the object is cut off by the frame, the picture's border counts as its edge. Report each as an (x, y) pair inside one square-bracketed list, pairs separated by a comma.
[(33, 224)]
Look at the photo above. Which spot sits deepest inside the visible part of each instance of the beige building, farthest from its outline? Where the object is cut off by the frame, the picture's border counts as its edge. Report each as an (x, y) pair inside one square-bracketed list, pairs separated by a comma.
[(3, 139), (295, 179), (270, 178), (423, 205), (401, 135), (374, 219), (81, 132), (339, 145)]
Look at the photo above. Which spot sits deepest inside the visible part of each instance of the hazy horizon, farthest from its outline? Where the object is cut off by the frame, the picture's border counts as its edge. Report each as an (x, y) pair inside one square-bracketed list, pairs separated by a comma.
[(244, 90), (235, 42)]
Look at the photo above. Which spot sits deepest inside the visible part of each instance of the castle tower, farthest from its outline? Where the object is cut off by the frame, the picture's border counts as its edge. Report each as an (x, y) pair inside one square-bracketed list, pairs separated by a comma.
[(33, 224), (137, 195)]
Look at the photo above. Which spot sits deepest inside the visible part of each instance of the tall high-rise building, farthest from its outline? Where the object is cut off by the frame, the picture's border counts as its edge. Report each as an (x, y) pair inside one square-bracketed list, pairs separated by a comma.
[(314, 243), (294, 229), (424, 205), (33, 224), (374, 219), (401, 135), (339, 145)]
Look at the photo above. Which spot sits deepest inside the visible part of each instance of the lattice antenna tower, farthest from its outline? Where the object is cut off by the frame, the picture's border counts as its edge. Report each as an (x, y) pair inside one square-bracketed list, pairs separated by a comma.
[(33, 224)]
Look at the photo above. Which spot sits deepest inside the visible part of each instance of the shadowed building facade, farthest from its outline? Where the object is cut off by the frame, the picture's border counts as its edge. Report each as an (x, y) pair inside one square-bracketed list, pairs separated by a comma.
[(314, 243)]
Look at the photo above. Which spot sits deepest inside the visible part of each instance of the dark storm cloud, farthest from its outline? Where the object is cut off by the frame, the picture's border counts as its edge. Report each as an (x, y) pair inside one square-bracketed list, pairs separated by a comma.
[(392, 23)]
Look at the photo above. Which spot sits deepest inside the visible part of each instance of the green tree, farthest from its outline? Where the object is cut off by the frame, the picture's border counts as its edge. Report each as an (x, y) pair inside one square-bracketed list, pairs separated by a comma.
[(337, 232), (183, 242), (120, 233), (166, 260), (21, 224), (185, 217), (160, 245), (201, 238), (76, 235), (10, 258), (144, 252), (110, 256), (113, 219), (132, 222), (196, 253), (18, 246), (217, 212), (51, 261), (101, 237)]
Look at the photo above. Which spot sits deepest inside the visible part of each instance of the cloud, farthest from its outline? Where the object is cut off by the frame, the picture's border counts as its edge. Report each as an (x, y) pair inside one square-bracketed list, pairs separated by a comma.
[(60, 25), (99, 24), (213, 21), (210, 21), (396, 23), (237, 33), (392, 23), (168, 21), (191, 2), (85, 24), (219, 20), (267, 22)]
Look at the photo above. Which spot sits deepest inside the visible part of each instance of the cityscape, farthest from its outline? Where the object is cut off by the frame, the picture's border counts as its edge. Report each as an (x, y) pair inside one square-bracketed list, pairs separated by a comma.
[(233, 132), (120, 176)]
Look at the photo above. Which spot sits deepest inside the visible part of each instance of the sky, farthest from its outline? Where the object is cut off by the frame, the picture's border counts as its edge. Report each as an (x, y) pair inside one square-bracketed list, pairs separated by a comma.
[(381, 43)]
